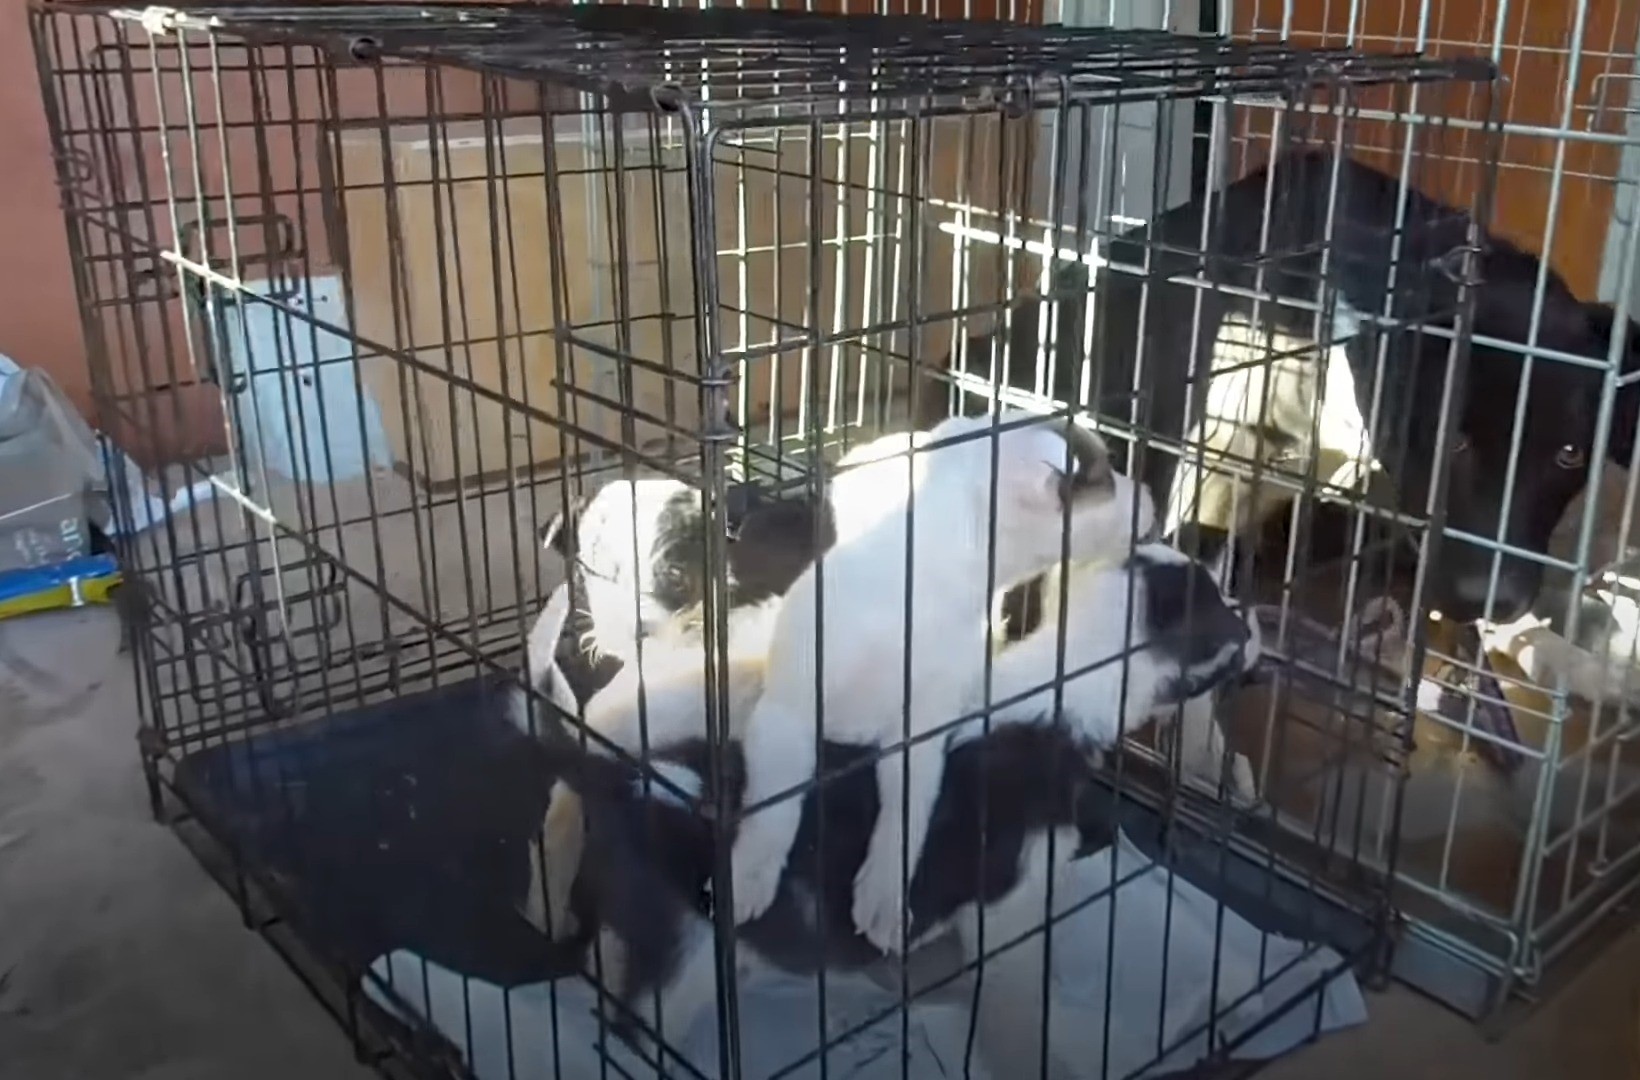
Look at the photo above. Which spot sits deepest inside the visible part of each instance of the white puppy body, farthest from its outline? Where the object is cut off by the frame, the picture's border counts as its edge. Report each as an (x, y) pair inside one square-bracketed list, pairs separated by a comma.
[(860, 588), (660, 700)]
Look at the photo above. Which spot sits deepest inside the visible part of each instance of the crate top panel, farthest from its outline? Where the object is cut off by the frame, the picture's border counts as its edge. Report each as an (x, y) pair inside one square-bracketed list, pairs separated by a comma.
[(739, 63)]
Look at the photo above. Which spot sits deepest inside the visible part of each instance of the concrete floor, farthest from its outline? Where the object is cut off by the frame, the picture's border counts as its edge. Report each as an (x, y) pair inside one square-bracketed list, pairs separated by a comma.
[(118, 958)]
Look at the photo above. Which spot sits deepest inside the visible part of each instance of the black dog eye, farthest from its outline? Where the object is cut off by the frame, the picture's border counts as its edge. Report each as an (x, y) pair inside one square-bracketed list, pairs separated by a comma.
[(1570, 457)]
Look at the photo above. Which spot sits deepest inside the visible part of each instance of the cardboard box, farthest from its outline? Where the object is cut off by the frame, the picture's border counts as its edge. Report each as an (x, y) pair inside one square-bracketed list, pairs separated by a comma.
[(449, 265), (484, 364)]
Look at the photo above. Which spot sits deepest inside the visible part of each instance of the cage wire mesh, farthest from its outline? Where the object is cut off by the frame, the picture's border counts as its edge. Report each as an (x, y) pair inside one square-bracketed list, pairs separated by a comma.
[(497, 307)]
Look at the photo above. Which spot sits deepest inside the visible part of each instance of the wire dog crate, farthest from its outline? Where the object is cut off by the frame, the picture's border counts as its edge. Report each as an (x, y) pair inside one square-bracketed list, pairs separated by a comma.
[(441, 272), (1516, 854)]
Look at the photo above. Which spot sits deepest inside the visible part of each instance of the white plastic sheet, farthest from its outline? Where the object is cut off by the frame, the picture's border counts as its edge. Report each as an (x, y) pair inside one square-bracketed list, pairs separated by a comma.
[(511, 1034), (144, 508)]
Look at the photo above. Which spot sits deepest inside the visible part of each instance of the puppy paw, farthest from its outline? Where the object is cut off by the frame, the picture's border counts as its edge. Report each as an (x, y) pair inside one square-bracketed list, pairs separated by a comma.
[(547, 909), (756, 881), (877, 902), (1241, 784), (534, 905)]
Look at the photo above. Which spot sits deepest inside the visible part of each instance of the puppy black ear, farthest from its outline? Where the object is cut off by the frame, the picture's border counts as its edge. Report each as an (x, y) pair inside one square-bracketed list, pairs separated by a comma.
[(559, 533)]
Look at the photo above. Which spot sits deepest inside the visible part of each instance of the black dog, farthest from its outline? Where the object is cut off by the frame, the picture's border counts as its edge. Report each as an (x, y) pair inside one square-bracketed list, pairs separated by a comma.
[(1341, 235)]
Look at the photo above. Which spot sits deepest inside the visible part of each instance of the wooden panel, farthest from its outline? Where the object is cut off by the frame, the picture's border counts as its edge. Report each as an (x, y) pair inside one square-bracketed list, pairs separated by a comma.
[(876, 216), (453, 268), (1536, 42)]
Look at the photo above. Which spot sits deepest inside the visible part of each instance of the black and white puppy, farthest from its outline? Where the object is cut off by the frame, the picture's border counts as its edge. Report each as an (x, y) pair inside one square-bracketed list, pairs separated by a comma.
[(635, 558), (645, 882), (1182, 636), (1007, 798), (636, 562), (888, 641), (665, 701), (659, 702)]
